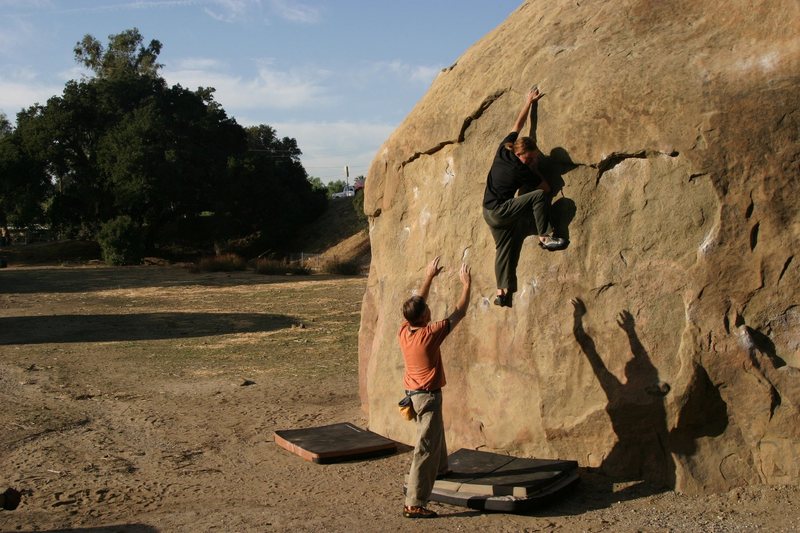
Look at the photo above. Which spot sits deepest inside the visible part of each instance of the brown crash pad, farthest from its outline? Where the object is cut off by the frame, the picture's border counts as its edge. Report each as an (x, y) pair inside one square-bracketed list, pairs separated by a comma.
[(490, 481), (334, 443)]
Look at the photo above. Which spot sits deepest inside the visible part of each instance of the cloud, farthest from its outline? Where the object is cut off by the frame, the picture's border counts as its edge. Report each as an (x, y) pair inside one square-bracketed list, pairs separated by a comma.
[(328, 146), (15, 35), (417, 73), (29, 4), (231, 10), (237, 10), (198, 63), (395, 70), (22, 89), (33, 5), (296, 11), (269, 88), (145, 4), (77, 72)]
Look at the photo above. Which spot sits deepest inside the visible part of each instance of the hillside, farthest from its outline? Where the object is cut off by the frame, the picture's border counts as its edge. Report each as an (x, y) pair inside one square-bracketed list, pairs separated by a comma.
[(336, 224), (337, 235)]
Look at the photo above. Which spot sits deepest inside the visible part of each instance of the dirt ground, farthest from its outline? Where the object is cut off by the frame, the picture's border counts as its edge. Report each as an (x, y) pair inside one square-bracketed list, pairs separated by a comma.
[(144, 399)]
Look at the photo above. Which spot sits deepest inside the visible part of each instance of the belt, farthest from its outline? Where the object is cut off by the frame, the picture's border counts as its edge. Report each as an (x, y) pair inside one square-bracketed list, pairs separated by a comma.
[(422, 391)]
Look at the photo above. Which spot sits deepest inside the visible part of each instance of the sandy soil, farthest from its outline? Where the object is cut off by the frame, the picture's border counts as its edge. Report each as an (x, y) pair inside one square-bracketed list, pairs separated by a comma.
[(145, 399)]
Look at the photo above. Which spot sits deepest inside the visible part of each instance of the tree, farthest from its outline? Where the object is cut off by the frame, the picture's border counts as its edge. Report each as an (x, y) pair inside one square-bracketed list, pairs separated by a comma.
[(124, 151), (5, 125), (336, 186), (23, 181), (317, 185), (269, 190), (132, 146), (125, 55)]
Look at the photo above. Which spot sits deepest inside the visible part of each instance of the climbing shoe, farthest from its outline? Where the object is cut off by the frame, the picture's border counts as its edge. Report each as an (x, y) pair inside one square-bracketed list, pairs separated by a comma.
[(503, 300), (418, 512), (553, 243)]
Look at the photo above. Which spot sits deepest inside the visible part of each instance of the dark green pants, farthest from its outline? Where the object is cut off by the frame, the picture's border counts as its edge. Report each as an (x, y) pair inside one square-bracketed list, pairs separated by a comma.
[(510, 223)]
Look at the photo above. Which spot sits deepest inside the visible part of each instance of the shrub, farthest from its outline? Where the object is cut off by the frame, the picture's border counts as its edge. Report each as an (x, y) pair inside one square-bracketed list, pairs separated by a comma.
[(344, 268), (276, 267), (358, 206), (221, 263), (121, 241)]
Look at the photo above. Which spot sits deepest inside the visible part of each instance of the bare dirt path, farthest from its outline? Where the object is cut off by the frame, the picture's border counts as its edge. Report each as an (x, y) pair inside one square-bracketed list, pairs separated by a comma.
[(145, 399)]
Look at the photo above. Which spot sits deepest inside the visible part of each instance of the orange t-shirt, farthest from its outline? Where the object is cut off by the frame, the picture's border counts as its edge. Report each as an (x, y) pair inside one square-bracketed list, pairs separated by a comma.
[(422, 356)]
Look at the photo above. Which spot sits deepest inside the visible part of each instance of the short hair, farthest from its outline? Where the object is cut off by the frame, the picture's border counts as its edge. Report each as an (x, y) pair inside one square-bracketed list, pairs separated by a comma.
[(414, 310), (522, 144)]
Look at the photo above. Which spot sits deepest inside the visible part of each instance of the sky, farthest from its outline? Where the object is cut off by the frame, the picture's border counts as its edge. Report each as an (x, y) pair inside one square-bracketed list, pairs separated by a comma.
[(336, 75)]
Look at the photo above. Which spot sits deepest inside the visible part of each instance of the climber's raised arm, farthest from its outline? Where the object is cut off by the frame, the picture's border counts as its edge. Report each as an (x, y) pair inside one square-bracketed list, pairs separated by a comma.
[(532, 96)]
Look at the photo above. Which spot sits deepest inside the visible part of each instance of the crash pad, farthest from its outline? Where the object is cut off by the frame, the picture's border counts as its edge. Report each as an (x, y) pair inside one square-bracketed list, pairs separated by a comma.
[(334, 443), (496, 482)]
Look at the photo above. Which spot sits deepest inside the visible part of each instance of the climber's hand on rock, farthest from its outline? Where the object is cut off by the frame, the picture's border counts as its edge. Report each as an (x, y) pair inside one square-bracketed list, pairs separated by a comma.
[(466, 277), (534, 94), (433, 269)]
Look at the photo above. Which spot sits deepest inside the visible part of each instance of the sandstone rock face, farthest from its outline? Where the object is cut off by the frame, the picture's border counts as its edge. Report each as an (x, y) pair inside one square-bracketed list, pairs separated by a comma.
[(673, 127)]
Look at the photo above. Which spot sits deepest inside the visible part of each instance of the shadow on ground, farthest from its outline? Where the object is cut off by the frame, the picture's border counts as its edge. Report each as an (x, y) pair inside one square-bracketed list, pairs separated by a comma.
[(134, 327), (593, 492), (122, 528), (32, 280)]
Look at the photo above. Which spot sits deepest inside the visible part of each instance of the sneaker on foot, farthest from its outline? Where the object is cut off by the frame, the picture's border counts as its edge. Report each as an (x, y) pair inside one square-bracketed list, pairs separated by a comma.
[(553, 243), (503, 300), (418, 512)]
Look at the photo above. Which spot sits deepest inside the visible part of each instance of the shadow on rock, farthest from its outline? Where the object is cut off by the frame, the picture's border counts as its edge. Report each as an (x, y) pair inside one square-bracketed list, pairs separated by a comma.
[(635, 407)]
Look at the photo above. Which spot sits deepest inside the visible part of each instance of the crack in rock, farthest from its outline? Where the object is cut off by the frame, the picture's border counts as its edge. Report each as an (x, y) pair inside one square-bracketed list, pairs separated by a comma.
[(487, 102), (615, 158)]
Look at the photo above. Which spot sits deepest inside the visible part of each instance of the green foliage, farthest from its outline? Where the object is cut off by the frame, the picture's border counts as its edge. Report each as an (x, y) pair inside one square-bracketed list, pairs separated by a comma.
[(317, 185), (336, 186), (121, 241), (269, 189), (23, 184), (125, 56), (125, 144), (328, 189), (358, 206), (5, 125)]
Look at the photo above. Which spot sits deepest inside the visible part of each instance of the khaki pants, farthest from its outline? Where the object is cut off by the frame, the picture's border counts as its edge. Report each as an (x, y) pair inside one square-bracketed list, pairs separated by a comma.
[(430, 452), (510, 223)]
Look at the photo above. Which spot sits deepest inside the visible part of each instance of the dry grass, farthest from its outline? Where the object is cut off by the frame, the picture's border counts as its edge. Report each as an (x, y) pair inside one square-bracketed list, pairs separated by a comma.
[(277, 268), (221, 263), (333, 265), (166, 318), (56, 252)]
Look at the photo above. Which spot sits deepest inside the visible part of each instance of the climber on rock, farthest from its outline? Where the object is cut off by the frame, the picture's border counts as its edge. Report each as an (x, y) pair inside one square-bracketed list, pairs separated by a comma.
[(515, 169)]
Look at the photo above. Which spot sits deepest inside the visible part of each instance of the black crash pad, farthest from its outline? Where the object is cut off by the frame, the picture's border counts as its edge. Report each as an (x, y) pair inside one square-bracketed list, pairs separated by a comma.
[(334, 443), (494, 482)]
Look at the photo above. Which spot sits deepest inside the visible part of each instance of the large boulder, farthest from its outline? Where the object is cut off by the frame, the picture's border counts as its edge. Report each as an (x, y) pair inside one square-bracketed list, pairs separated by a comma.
[(672, 128)]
